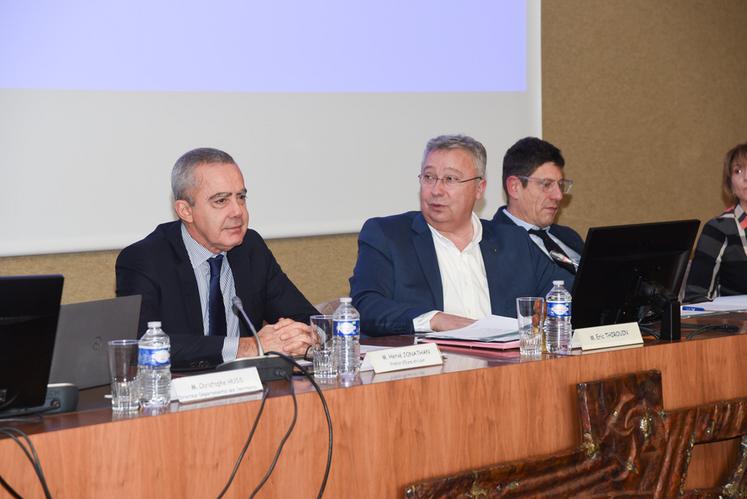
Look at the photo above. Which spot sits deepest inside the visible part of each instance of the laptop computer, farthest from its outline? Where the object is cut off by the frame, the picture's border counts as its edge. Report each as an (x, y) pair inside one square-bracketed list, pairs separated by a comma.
[(80, 355), (29, 307)]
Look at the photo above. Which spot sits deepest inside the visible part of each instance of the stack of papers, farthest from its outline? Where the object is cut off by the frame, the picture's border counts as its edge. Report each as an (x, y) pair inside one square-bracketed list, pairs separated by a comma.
[(491, 329)]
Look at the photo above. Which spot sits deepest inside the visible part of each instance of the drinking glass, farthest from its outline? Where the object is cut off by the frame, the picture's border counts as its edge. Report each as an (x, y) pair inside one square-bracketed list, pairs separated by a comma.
[(530, 312), (325, 368), (123, 371)]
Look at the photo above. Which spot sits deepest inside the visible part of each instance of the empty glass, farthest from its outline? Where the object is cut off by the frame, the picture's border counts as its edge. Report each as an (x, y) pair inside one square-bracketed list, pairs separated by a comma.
[(123, 371), (530, 312), (325, 369)]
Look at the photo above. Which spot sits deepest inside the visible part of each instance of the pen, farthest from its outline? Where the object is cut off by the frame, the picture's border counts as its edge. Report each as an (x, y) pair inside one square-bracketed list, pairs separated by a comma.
[(692, 309)]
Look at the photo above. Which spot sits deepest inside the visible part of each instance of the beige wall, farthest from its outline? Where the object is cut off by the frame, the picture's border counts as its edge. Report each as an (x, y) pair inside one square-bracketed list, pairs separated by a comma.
[(644, 97)]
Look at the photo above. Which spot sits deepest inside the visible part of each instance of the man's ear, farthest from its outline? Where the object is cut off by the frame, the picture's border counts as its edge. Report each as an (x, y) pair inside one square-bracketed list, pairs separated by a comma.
[(183, 210), (513, 184), (481, 186)]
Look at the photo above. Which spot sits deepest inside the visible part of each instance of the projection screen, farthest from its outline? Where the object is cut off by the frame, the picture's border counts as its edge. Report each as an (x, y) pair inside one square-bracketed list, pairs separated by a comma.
[(326, 106)]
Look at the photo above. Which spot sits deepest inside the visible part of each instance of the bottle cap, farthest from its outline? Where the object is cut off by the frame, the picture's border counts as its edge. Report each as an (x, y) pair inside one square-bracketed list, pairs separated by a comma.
[(558, 283), (346, 299), (154, 324)]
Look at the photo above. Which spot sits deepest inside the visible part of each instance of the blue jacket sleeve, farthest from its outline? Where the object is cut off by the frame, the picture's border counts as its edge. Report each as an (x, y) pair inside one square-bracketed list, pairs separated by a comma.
[(375, 289), (137, 273)]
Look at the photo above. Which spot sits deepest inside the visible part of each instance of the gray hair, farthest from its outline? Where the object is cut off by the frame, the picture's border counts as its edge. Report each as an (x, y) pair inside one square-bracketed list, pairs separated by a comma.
[(468, 144), (182, 175)]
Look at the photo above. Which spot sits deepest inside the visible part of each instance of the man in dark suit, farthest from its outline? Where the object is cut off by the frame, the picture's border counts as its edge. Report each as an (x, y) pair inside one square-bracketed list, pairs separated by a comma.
[(442, 268), (534, 186), (189, 271)]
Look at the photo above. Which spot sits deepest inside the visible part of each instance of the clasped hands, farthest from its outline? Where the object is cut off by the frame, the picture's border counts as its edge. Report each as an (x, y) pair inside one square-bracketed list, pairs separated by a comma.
[(285, 336)]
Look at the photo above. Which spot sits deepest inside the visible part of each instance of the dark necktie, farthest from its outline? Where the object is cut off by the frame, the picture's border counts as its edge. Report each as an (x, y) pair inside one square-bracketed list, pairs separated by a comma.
[(553, 247), (216, 311)]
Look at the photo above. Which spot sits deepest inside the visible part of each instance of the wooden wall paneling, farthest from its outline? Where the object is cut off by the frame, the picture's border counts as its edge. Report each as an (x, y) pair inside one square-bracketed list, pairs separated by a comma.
[(387, 434)]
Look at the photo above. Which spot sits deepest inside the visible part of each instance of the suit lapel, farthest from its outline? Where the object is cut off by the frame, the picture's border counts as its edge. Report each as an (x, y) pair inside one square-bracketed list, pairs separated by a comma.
[(187, 281), (501, 217), (241, 268), (426, 252), (489, 249)]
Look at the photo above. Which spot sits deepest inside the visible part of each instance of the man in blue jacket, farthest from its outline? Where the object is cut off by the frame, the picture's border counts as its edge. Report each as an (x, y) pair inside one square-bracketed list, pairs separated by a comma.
[(534, 186), (442, 268)]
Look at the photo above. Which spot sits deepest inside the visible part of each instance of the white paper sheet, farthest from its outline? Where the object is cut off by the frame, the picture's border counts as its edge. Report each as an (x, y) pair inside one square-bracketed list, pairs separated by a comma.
[(720, 304), (491, 328)]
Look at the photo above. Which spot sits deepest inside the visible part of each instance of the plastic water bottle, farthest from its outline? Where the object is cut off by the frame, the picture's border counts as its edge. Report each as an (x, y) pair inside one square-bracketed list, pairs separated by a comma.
[(154, 367), (558, 327), (347, 326)]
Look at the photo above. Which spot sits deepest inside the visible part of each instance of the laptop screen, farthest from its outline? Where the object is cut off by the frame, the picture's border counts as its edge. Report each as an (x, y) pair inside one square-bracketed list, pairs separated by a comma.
[(83, 331)]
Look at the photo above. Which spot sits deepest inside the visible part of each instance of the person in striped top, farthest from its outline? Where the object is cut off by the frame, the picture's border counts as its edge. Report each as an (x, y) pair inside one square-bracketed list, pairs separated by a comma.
[(719, 267)]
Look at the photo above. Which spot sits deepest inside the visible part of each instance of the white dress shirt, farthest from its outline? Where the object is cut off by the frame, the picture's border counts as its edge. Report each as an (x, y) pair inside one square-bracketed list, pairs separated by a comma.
[(463, 278), (198, 257)]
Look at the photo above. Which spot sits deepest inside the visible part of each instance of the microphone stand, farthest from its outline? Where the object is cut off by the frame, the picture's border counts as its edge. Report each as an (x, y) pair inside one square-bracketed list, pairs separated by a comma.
[(270, 367)]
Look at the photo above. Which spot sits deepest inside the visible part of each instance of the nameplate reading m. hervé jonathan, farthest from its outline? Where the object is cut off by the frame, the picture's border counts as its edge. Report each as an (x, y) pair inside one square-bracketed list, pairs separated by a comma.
[(394, 359), (613, 335)]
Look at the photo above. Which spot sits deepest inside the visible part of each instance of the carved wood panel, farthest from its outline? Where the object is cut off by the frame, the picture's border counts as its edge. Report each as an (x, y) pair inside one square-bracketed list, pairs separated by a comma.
[(629, 447)]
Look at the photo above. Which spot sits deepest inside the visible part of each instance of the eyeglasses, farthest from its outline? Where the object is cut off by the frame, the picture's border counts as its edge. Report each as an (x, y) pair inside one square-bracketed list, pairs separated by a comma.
[(446, 180), (547, 183)]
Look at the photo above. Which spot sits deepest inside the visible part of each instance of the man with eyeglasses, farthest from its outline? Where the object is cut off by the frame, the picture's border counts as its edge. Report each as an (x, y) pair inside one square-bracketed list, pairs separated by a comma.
[(442, 267), (534, 186)]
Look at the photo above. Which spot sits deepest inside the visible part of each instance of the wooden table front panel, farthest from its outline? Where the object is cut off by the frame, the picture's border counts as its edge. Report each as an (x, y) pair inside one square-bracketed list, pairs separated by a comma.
[(388, 432)]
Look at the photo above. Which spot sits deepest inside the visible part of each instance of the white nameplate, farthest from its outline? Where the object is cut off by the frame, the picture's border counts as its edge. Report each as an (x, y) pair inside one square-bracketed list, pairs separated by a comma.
[(614, 335), (394, 359), (218, 384)]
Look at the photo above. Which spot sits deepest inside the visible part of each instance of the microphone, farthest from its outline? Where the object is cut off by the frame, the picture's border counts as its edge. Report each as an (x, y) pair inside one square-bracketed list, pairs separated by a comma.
[(270, 367), (562, 258), (238, 306)]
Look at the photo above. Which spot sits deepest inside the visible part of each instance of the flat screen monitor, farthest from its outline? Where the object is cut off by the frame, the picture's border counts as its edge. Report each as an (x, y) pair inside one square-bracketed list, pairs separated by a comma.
[(628, 272), (29, 307)]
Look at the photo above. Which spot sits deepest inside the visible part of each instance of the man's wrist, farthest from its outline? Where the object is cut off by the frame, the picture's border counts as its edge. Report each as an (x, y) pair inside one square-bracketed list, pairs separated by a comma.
[(422, 323), (247, 347)]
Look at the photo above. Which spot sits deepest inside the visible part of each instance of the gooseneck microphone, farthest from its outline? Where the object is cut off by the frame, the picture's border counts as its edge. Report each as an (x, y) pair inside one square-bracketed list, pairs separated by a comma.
[(238, 308), (560, 257), (270, 367)]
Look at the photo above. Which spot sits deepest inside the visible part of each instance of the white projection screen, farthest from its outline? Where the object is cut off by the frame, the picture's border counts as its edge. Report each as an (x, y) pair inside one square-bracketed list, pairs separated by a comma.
[(326, 106)]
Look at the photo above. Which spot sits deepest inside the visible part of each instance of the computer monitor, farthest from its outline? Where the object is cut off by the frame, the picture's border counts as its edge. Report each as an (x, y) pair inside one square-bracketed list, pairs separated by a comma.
[(631, 273), (29, 307)]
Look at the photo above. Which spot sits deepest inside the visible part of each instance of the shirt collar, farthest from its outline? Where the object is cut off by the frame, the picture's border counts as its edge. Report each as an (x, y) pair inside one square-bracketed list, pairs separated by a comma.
[(476, 233), (198, 254), (521, 223), (738, 211)]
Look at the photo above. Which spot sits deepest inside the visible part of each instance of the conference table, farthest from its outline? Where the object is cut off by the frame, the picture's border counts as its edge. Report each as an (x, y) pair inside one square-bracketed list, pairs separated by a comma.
[(390, 430)]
